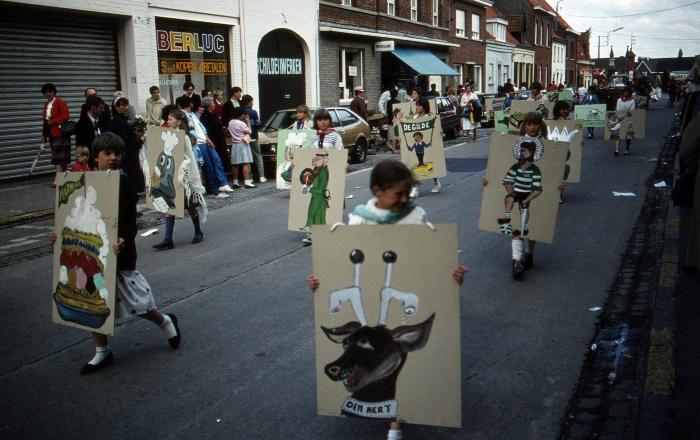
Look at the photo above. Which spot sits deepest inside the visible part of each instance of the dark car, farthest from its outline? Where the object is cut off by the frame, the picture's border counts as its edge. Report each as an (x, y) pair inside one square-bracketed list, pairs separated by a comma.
[(354, 131), (449, 118)]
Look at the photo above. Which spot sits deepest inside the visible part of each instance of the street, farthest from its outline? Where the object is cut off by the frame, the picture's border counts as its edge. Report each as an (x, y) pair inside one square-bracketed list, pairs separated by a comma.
[(245, 369)]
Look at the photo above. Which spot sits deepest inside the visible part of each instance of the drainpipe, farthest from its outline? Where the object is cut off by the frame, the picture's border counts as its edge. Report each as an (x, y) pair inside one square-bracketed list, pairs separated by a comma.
[(318, 56), (244, 63)]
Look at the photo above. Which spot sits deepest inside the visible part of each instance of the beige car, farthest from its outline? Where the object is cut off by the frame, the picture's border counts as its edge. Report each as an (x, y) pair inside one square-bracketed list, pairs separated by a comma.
[(352, 128)]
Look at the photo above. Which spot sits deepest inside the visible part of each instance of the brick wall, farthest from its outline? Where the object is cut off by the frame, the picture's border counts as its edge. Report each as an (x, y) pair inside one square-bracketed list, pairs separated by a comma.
[(469, 50)]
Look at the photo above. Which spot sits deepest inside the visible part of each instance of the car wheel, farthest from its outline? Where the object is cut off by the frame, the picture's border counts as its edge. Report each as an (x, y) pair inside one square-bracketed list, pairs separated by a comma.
[(359, 153)]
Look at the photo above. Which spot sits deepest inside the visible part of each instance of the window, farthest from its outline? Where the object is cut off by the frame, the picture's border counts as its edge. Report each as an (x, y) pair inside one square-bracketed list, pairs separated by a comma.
[(537, 25), (546, 37), (391, 7), (506, 73), (414, 10), (489, 80), (460, 24), (436, 12), (476, 19), (500, 74), (478, 73), (460, 70), (351, 71), (346, 2), (346, 118)]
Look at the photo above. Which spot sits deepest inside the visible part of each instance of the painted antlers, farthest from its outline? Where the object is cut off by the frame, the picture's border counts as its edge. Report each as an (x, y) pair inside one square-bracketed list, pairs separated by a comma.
[(353, 294)]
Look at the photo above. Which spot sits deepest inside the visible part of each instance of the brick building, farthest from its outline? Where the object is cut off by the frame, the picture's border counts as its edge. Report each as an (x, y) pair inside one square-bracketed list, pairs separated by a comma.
[(378, 44), (531, 22), (584, 65), (130, 45), (468, 30), (571, 38)]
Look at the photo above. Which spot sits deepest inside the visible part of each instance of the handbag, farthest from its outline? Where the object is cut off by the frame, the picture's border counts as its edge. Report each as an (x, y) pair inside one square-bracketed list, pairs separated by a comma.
[(68, 128), (246, 138)]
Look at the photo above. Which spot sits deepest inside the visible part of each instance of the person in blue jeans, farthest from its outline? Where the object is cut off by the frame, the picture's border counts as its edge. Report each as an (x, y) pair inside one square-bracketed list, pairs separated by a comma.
[(205, 152)]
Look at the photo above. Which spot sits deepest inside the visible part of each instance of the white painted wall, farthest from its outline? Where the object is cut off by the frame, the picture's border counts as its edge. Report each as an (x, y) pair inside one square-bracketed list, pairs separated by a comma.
[(558, 63), (498, 54)]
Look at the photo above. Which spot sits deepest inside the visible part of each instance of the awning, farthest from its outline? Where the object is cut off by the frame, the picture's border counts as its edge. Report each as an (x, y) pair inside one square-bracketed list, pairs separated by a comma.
[(423, 62)]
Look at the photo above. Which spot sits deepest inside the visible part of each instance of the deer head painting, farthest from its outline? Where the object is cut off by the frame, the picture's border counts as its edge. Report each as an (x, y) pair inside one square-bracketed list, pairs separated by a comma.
[(373, 356)]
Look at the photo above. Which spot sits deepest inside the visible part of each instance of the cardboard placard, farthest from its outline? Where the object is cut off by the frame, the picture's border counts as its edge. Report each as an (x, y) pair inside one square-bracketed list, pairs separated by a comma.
[(592, 115), (84, 264), (501, 121), (631, 124), (319, 200), (493, 105), (165, 153), (571, 133), (422, 314), (422, 148), (564, 95), (546, 108), (287, 142), (543, 209)]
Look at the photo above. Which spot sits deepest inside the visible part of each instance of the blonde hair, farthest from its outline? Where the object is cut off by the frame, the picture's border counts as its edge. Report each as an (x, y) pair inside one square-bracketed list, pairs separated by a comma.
[(82, 151)]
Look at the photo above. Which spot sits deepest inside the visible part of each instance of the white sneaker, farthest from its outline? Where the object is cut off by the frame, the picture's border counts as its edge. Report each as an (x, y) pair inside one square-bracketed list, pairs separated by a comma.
[(436, 189), (226, 188), (263, 180), (414, 192), (222, 195)]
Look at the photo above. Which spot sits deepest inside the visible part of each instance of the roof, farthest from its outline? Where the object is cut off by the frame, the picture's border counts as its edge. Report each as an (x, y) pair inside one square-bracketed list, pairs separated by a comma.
[(542, 4), (492, 12), (511, 39), (670, 64)]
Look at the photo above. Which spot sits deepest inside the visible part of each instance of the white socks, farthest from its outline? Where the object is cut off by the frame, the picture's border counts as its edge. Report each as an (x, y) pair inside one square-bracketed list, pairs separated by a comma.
[(168, 327), (525, 219), (248, 182), (100, 354), (517, 248), (394, 434)]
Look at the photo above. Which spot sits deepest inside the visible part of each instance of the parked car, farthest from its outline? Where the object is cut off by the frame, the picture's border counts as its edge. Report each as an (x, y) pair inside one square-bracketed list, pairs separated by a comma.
[(449, 117), (352, 128)]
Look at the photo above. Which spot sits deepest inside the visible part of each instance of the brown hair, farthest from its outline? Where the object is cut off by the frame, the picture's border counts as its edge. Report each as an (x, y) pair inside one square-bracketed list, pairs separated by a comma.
[(534, 118)]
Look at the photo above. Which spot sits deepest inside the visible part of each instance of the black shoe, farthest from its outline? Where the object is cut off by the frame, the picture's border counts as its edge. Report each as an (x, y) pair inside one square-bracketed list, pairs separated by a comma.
[(163, 245), (90, 368), (198, 237), (617, 153), (518, 269), (528, 261), (235, 186), (503, 220), (627, 152), (175, 340), (249, 186)]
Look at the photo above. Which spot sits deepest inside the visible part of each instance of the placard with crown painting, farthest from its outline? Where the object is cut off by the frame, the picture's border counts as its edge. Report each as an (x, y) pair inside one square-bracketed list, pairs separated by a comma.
[(569, 132)]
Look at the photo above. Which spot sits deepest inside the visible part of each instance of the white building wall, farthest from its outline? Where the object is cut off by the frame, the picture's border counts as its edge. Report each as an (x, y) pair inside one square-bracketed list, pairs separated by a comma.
[(558, 63), (498, 54), (137, 44)]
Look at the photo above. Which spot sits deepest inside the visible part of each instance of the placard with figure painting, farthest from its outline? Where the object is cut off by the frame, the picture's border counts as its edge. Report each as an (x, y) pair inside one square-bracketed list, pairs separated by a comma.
[(545, 108), (162, 168), (523, 177), (625, 124), (422, 148), (287, 142), (387, 320), (591, 115)]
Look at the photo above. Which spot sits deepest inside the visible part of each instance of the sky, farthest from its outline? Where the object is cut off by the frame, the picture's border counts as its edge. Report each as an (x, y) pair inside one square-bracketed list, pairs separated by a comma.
[(656, 34)]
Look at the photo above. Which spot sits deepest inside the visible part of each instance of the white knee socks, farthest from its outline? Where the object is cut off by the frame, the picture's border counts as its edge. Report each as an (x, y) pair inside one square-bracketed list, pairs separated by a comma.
[(100, 354), (168, 327), (517, 248)]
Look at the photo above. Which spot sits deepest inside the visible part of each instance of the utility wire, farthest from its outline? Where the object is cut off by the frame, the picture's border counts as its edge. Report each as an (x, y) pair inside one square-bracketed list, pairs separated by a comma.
[(636, 14)]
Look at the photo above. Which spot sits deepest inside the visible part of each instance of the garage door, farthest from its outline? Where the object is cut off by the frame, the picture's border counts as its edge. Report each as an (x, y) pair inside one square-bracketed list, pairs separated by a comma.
[(40, 46)]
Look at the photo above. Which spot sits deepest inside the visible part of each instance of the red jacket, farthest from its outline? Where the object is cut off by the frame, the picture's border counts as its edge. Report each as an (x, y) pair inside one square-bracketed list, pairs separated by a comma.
[(59, 115), (79, 167)]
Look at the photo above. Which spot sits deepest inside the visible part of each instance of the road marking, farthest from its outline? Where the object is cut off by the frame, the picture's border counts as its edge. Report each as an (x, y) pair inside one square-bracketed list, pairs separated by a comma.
[(15, 245), (40, 228), (659, 377)]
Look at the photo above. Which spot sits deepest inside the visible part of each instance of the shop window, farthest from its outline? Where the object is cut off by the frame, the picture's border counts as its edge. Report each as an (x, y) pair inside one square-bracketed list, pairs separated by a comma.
[(436, 12), (414, 10), (476, 26), (351, 64), (460, 24), (478, 74), (391, 7)]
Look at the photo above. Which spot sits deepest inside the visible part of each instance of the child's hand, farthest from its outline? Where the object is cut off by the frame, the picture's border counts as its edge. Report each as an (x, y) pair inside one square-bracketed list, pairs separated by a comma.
[(53, 237), (347, 168), (313, 283), (118, 246), (562, 185), (484, 181), (458, 274)]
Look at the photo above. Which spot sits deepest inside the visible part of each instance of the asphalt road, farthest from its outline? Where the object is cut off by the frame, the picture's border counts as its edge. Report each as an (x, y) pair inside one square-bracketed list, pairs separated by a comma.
[(246, 366)]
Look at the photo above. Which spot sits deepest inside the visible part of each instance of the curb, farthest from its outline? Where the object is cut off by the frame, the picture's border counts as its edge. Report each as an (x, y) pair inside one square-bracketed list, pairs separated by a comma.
[(27, 216)]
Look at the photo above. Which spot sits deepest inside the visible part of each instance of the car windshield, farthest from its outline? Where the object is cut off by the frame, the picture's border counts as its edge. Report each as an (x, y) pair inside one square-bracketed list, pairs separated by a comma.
[(280, 120)]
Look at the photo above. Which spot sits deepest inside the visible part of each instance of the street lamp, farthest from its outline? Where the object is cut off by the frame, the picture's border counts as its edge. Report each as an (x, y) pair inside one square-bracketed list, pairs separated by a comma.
[(607, 38)]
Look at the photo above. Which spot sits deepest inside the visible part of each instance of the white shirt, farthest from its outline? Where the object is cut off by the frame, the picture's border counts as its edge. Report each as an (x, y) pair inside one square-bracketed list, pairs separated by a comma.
[(94, 124), (625, 105), (200, 133), (331, 141), (415, 217), (466, 97), (48, 109)]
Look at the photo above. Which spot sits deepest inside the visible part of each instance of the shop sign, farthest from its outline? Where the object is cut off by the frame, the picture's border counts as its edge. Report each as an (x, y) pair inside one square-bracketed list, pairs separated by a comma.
[(195, 42), (280, 66), (352, 70), (189, 67), (384, 46)]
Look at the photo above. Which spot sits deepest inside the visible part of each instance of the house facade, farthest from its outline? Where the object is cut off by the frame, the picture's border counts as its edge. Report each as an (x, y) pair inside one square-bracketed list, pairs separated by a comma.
[(499, 51)]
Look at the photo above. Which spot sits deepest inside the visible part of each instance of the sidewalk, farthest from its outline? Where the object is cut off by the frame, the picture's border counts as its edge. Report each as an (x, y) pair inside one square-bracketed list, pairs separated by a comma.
[(16, 206)]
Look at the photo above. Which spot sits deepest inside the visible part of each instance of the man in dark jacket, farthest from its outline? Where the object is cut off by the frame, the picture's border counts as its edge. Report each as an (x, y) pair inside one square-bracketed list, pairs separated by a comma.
[(132, 141), (358, 104), (233, 102), (90, 125)]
